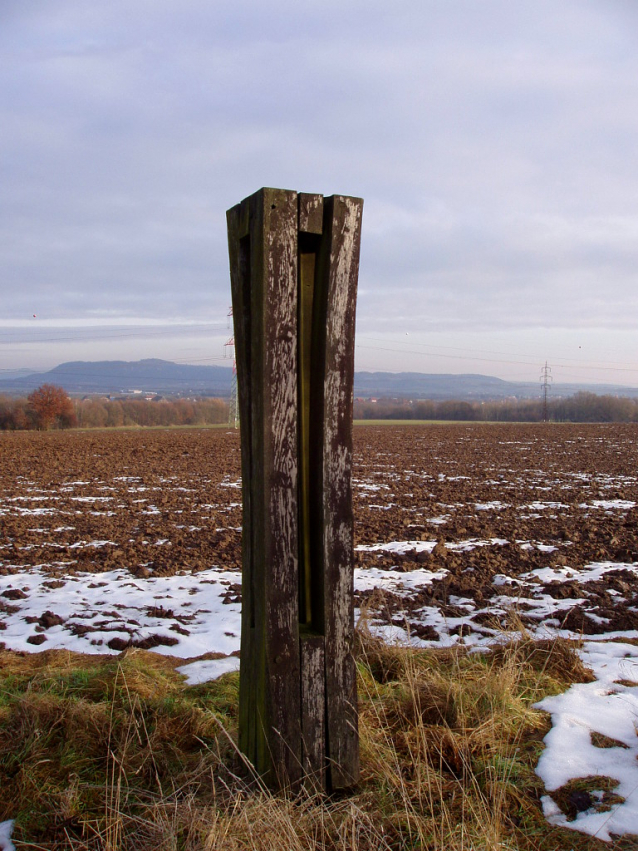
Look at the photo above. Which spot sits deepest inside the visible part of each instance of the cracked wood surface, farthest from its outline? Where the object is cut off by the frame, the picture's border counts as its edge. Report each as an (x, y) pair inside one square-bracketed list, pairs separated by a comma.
[(294, 267)]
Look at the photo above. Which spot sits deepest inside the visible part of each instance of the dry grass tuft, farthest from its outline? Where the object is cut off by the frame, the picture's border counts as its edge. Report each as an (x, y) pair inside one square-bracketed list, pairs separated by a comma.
[(600, 740), (555, 658)]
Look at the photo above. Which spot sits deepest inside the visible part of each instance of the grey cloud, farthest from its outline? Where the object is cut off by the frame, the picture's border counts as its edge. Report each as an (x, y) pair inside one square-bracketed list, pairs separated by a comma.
[(495, 145)]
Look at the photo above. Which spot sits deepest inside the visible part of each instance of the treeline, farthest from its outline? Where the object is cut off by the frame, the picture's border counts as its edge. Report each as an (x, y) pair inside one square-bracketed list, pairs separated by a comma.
[(584, 407), (50, 407), (100, 413)]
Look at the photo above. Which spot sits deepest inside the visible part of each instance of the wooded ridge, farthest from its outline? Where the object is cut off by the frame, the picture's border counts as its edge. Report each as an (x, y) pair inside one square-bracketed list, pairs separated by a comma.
[(160, 376)]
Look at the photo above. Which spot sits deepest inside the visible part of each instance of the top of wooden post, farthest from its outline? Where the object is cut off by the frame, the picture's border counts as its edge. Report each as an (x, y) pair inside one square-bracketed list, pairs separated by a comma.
[(310, 208)]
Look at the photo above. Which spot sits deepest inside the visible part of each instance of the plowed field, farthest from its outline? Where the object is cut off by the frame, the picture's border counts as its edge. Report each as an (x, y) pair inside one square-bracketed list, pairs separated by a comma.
[(457, 527)]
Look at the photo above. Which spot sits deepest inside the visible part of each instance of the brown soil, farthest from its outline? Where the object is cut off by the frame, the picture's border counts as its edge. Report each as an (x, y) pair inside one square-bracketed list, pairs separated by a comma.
[(168, 501)]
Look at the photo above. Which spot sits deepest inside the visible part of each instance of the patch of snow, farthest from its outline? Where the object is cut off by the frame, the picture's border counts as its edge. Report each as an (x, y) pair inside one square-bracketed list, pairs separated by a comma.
[(6, 829), (366, 579), (606, 706), (397, 547), (95, 608), (622, 504), (541, 506), (205, 670), (590, 573), (495, 505), (428, 546)]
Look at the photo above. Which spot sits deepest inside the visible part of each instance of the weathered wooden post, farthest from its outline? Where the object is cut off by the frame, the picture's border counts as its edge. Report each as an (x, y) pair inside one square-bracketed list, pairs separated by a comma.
[(294, 262)]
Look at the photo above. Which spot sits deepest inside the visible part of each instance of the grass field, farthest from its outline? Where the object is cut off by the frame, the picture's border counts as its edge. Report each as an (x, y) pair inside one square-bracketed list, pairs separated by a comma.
[(116, 753)]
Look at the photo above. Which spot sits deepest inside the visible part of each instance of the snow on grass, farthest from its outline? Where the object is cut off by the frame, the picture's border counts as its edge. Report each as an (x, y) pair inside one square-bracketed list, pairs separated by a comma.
[(609, 707), (23, 512), (541, 506), (204, 670), (6, 829)]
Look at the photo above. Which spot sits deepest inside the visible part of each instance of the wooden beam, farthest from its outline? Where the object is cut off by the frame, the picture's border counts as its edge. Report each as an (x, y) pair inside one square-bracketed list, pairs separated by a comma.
[(294, 264), (338, 270)]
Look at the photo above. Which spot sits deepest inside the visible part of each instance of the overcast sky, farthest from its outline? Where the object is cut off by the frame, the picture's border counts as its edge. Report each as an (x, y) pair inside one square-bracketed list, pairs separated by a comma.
[(495, 143)]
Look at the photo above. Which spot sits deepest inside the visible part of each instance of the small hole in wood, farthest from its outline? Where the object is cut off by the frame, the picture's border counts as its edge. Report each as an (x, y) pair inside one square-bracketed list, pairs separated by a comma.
[(273, 206)]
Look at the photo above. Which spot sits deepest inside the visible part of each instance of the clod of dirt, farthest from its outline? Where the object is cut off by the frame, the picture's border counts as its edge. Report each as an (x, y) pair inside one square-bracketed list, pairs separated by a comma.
[(14, 594), (159, 612), (80, 629), (143, 643), (440, 550), (580, 801), (423, 630), (48, 619), (563, 590), (142, 572)]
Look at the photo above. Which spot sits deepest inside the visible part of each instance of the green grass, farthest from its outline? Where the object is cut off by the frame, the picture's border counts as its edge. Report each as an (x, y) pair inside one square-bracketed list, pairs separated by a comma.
[(117, 753)]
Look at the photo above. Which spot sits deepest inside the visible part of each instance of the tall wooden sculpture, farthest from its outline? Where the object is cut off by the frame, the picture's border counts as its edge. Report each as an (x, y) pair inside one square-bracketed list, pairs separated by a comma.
[(294, 261)]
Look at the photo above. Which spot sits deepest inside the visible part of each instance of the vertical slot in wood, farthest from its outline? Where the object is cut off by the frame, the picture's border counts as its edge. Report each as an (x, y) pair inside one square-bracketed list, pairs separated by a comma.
[(308, 246)]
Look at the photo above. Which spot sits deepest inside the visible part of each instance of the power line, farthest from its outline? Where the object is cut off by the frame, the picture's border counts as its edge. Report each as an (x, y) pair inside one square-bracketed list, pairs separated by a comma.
[(436, 355), (472, 358), (426, 349)]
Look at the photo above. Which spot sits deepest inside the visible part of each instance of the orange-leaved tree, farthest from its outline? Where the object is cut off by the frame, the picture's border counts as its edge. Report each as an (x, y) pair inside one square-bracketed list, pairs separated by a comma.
[(50, 405)]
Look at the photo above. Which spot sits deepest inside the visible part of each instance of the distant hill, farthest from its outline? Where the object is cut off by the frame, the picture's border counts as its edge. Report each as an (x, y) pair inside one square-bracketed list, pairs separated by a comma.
[(172, 379), (112, 377), (418, 385), (9, 374)]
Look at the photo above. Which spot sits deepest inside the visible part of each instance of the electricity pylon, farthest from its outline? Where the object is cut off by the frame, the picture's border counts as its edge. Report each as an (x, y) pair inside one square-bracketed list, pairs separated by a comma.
[(229, 351), (546, 380)]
